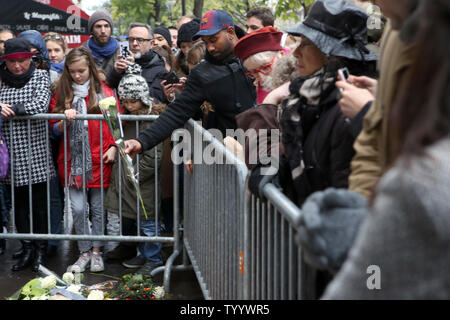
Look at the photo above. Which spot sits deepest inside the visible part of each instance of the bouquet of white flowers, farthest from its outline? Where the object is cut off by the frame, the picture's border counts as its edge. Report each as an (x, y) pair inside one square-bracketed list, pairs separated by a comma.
[(108, 106)]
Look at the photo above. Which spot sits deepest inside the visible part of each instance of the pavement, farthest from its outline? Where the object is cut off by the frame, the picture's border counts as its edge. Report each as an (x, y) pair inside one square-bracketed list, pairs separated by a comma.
[(183, 284)]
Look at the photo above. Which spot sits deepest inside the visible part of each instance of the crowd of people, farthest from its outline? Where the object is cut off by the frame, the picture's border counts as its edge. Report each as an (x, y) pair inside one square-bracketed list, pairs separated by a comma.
[(364, 119)]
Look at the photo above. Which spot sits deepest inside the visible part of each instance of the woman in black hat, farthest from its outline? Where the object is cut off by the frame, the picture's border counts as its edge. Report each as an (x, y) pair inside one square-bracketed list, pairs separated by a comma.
[(316, 135), (25, 90)]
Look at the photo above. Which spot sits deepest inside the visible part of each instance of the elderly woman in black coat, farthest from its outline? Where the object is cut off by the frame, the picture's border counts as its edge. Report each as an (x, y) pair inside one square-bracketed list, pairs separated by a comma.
[(25, 90)]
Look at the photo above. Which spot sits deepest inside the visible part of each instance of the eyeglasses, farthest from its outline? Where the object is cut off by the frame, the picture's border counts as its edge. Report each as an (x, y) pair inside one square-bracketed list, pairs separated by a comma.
[(53, 37), (139, 40), (265, 70)]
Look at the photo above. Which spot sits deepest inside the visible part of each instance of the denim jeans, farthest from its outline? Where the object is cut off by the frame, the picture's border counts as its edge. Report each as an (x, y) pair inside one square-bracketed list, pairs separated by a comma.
[(150, 250), (81, 215)]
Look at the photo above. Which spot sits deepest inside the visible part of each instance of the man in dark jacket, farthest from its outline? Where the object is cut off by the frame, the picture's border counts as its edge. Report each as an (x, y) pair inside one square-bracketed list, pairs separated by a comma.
[(153, 67), (220, 80)]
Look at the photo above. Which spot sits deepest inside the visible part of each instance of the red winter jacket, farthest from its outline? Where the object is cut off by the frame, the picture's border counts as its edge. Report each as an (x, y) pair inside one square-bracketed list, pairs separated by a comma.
[(94, 140)]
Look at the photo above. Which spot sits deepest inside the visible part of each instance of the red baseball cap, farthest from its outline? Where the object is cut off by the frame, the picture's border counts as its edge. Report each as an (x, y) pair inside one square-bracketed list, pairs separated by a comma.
[(265, 39)]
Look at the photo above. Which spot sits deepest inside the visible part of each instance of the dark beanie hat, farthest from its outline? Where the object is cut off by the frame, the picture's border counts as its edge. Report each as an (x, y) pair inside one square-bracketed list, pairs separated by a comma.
[(100, 14), (165, 33), (187, 31)]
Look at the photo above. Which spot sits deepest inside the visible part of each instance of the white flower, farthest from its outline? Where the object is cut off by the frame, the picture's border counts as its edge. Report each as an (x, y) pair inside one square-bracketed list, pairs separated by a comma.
[(107, 102), (44, 297), (27, 298), (68, 277), (75, 288), (26, 290), (159, 292), (35, 298), (96, 295), (48, 282)]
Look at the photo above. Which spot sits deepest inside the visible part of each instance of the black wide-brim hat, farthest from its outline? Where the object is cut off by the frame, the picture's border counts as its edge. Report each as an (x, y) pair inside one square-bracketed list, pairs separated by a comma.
[(16, 49), (337, 28)]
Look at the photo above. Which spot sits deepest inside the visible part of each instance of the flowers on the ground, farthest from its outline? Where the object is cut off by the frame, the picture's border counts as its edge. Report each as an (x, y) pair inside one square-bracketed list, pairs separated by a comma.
[(129, 287), (96, 295), (137, 287), (48, 282), (108, 106), (68, 277), (75, 288), (159, 292), (34, 289)]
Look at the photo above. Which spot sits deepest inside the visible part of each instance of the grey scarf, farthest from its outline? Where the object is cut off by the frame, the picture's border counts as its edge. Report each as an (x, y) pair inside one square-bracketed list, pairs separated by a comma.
[(80, 148)]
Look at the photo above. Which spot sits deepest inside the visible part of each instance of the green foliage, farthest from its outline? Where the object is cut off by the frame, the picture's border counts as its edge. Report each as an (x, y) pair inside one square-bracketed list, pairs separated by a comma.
[(288, 9), (155, 12)]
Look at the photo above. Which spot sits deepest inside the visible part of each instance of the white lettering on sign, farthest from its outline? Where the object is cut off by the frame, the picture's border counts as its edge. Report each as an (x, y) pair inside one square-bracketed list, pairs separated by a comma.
[(40, 16), (73, 39)]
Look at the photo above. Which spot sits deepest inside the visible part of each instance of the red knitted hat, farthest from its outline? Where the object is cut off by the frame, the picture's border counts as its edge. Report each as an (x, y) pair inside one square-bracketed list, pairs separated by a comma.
[(265, 39)]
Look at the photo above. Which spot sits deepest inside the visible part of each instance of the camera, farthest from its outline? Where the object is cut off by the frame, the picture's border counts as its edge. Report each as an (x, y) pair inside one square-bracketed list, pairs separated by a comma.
[(171, 78)]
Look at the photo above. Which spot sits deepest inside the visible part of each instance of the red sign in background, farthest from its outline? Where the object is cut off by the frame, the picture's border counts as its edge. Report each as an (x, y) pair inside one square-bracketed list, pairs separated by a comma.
[(72, 40)]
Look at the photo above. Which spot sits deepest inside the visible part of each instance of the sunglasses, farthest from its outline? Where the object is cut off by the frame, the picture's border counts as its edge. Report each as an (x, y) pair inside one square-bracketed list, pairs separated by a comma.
[(265, 70), (53, 37)]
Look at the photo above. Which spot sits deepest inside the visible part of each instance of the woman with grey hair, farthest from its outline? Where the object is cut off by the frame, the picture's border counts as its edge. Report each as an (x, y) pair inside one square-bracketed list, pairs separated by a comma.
[(261, 53)]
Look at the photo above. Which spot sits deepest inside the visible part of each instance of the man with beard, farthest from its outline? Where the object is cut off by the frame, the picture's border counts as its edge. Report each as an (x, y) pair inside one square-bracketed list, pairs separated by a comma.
[(220, 80), (153, 67), (103, 47)]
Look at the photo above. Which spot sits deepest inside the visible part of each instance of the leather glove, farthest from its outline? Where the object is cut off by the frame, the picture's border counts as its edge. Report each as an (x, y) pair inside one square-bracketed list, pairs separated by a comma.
[(329, 225)]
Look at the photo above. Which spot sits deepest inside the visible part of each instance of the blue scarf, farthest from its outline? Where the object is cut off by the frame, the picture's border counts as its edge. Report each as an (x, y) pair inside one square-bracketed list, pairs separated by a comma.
[(102, 52), (58, 67)]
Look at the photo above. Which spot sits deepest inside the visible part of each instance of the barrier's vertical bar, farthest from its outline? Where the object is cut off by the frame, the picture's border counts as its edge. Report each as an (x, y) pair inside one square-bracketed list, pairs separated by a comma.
[(30, 190), (283, 259), (47, 139), (292, 266), (66, 187), (13, 200), (277, 255), (270, 252), (85, 211), (263, 251), (258, 249), (138, 159), (101, 176)]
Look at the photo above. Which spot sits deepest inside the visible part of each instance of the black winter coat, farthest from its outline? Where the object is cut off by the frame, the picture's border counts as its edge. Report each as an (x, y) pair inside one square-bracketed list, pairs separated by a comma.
[(327, 151), (153, 71), (221, 83)]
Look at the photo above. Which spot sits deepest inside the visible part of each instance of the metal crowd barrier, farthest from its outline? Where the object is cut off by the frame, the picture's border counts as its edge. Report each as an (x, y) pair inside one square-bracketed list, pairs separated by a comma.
[(13, 234), (213, 207), (240, 246), (275, 270)]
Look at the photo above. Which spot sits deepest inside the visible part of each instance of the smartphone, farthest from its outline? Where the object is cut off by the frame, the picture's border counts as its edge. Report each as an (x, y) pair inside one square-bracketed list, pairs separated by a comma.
[(171, 78), (344, 74), (124, 51)]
